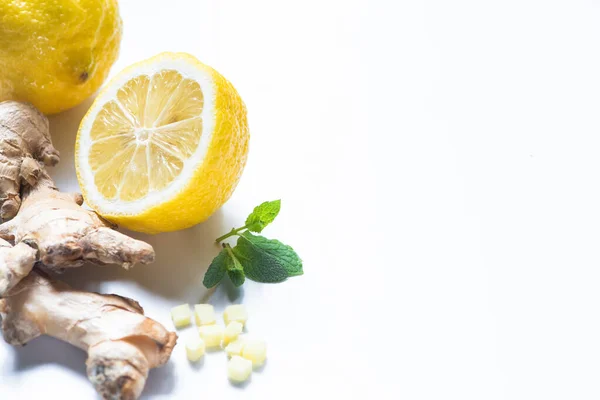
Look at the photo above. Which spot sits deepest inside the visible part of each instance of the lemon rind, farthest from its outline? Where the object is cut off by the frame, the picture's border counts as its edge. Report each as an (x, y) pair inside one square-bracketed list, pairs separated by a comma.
[(212, 183), (188, 69)]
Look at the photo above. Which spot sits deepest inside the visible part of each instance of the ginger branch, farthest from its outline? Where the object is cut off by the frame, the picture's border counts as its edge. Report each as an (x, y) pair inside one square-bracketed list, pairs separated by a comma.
[(24, 135), (50, 229), (122, 344)]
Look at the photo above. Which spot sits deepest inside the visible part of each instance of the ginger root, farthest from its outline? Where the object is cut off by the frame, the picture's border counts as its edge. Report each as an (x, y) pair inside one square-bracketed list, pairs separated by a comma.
[(122, 344), (64, 234), (24, 134), (51, 229), (15, 264)]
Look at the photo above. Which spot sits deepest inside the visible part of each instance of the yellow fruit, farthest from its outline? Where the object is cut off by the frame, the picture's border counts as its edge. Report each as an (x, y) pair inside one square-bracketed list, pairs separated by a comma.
[(239, 369), (205, 314), (55, 53), (211, 334), (163, 146), (195, 348), (235, 312), (255, 350), (235, 348), (181, 315), (232, 331)]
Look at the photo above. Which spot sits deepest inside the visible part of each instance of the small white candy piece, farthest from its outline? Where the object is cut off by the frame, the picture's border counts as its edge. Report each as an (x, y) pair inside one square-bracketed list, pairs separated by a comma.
[(205, 314), (235, 348), (235, 313), (181, 315), (194, 348), (232, 331), (256, 351), (212, 335), (239, 369)]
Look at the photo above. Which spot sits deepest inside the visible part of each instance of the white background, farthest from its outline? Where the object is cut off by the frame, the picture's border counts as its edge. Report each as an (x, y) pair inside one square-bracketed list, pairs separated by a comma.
[(439, 167)]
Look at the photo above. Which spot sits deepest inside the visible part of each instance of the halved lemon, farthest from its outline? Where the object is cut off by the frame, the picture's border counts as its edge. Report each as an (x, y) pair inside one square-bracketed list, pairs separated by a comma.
[(163, 145)]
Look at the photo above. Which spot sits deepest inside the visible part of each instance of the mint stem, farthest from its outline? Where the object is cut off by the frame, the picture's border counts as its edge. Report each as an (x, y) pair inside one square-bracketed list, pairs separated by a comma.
[(230, 234), (227, 247)]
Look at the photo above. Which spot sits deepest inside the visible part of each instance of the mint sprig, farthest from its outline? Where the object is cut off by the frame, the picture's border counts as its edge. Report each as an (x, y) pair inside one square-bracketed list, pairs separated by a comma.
[(260, 217), (254, 257)]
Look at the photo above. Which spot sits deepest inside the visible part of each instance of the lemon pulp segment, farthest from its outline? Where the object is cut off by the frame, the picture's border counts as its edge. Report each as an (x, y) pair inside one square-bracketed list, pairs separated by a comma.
[(142, 138), (163, 146)]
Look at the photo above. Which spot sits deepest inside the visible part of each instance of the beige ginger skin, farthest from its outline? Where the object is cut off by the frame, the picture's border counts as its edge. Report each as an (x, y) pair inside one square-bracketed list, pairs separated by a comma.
[(49, 229), (15, 264), (24, 135), (64, 234), (122, 344)]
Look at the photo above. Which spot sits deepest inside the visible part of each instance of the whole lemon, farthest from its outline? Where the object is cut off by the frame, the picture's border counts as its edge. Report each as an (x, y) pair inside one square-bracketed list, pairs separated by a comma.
[(55, 53)]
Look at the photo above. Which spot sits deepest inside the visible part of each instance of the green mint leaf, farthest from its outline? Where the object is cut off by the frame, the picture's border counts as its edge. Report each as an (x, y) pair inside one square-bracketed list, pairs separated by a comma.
[(232, 263), (237, 277), (255, 257), (263, 215), (216, 270), (266, 260), (259, 265), (284, 254)]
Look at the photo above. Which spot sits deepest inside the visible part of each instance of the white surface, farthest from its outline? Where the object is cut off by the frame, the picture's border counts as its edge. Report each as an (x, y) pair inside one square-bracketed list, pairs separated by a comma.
[(439, 167)]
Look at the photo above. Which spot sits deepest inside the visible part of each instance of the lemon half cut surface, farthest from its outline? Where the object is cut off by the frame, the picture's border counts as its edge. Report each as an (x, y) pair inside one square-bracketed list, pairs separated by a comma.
[(163, 145)]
